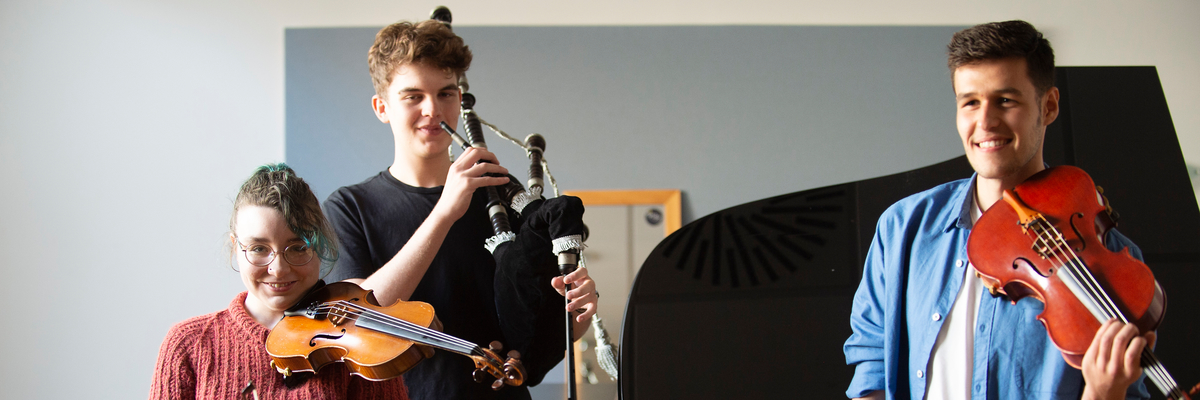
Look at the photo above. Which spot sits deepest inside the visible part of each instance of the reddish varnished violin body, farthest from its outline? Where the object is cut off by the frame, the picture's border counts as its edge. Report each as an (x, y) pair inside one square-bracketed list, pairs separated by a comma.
[(342, 322), (1046, 240), (1012, 263)]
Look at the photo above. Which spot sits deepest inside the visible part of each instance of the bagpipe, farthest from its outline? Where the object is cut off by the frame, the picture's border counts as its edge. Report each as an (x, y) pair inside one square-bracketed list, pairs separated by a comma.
[(342, 322), (523, 243)]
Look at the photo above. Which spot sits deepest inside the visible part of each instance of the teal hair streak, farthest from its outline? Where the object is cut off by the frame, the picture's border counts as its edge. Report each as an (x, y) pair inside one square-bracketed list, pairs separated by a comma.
[(312, 235)]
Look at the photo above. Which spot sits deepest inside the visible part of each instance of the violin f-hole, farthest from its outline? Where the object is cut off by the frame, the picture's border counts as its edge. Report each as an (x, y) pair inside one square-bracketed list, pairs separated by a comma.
[(313, 341), (1082, 243), (1023, 262)]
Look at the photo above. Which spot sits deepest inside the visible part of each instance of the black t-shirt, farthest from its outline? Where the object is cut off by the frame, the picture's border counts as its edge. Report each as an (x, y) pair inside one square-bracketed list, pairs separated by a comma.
[(373, 221)]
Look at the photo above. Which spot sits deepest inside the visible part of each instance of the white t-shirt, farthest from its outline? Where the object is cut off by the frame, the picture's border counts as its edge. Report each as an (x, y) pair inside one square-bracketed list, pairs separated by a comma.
[(949, 369)]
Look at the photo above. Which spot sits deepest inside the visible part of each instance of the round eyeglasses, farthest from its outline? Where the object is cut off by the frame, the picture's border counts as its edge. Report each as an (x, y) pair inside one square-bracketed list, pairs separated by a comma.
[(261, 255)]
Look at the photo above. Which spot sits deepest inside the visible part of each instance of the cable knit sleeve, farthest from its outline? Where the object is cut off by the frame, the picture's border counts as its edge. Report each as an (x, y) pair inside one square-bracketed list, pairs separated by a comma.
[(392, 389), (174, 377)]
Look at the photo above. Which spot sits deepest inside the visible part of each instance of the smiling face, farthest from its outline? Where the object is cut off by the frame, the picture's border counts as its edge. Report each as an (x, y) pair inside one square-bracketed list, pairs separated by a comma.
[(418, 98), (277, 286), (1002, 120)]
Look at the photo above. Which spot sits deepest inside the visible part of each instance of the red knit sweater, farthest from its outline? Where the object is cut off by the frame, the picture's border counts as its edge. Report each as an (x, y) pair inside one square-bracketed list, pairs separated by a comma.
[(215, 356)]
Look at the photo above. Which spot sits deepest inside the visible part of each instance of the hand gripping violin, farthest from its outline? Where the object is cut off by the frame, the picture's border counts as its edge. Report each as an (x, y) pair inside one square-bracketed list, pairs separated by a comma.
[(1047, 241), (342, 322)]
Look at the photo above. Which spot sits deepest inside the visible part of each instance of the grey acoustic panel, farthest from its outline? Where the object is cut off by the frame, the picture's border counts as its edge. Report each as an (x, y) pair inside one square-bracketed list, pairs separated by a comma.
[(726, 113)]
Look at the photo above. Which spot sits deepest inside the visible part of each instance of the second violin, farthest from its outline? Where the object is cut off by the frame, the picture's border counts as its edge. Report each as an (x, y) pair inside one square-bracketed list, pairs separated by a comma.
[(1047, 241)]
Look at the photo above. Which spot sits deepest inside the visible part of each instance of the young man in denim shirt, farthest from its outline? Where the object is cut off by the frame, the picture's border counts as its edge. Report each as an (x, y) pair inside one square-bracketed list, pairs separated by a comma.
[(924, 326)]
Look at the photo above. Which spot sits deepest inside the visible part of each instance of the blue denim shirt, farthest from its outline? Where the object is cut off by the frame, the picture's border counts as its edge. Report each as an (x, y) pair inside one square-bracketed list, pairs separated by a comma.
[(913, 273)]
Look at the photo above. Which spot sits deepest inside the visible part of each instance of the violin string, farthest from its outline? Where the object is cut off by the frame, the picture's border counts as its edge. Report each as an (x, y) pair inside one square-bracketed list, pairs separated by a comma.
[(439, 342), (1075, 268), (1158, 373), (1078, 271), (389, 320), (467, 349), (1054, 248), (1153, 366), (395, 323), (417, 329), (1165, 382), (1083, 274), (404, 325), (408, 326), (472, 348), (1057, 249), (1165, 379)]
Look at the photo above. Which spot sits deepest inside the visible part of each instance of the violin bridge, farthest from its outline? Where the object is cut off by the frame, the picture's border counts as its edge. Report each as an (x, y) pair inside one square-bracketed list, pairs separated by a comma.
[(1043, 238), (338, 315), (1044, 251)]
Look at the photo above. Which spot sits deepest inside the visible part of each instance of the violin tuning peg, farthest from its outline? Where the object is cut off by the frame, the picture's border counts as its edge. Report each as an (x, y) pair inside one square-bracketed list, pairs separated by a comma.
[(499, 383), (496, 346), (480, 376), (514, 354)]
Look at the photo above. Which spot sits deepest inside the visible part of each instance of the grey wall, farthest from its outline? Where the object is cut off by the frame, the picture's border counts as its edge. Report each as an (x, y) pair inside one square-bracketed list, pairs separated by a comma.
[(728, 114)]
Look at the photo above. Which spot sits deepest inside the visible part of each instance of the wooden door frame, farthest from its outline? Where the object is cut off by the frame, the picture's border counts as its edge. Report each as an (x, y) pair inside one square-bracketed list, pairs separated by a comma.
[(669, 199)]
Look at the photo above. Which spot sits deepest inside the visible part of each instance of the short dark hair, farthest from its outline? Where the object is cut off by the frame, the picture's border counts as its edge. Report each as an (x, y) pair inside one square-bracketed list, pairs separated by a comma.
[(1008, 39), (429, 42)]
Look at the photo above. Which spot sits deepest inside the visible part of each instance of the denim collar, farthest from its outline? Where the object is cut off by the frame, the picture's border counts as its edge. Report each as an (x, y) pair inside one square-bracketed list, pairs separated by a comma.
[(962, 199)]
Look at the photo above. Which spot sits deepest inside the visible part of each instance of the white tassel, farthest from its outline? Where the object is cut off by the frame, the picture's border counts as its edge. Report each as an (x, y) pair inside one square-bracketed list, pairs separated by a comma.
[(495, 241), (606, 353)]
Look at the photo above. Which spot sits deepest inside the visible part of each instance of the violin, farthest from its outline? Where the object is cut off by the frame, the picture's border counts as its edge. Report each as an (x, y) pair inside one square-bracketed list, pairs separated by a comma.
[(1047, 242), (342, 322)]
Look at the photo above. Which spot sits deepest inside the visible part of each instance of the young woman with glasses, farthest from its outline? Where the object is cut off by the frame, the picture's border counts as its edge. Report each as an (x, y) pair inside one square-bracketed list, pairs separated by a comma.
[(282, 245)]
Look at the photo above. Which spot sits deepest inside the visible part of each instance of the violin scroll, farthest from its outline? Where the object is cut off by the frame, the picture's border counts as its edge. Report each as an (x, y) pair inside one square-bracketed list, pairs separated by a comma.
[(488, 365)]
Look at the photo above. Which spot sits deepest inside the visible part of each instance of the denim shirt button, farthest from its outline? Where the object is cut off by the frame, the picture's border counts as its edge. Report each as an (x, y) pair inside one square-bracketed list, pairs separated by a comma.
[(976, 387), (958, 263), (937, 316), (920, 373)]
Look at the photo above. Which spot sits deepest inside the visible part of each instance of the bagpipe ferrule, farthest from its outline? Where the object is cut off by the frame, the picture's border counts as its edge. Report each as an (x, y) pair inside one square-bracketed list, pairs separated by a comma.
[(525, 197), (495, 241), (565, 243)]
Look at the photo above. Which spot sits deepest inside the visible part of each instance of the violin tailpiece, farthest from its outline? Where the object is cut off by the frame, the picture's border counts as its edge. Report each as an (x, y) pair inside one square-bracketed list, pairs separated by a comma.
[(1027, 215)]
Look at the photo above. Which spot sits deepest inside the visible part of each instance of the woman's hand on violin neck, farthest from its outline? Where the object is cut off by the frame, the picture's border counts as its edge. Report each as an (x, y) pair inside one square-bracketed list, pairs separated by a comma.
[(1113, 360)]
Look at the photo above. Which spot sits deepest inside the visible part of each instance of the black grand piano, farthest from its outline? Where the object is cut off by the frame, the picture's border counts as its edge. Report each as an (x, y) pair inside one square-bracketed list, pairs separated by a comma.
[(753, 302)]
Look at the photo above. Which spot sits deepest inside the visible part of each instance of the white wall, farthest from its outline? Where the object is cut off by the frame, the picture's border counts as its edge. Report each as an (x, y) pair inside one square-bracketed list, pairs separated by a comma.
[(126, 127)]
